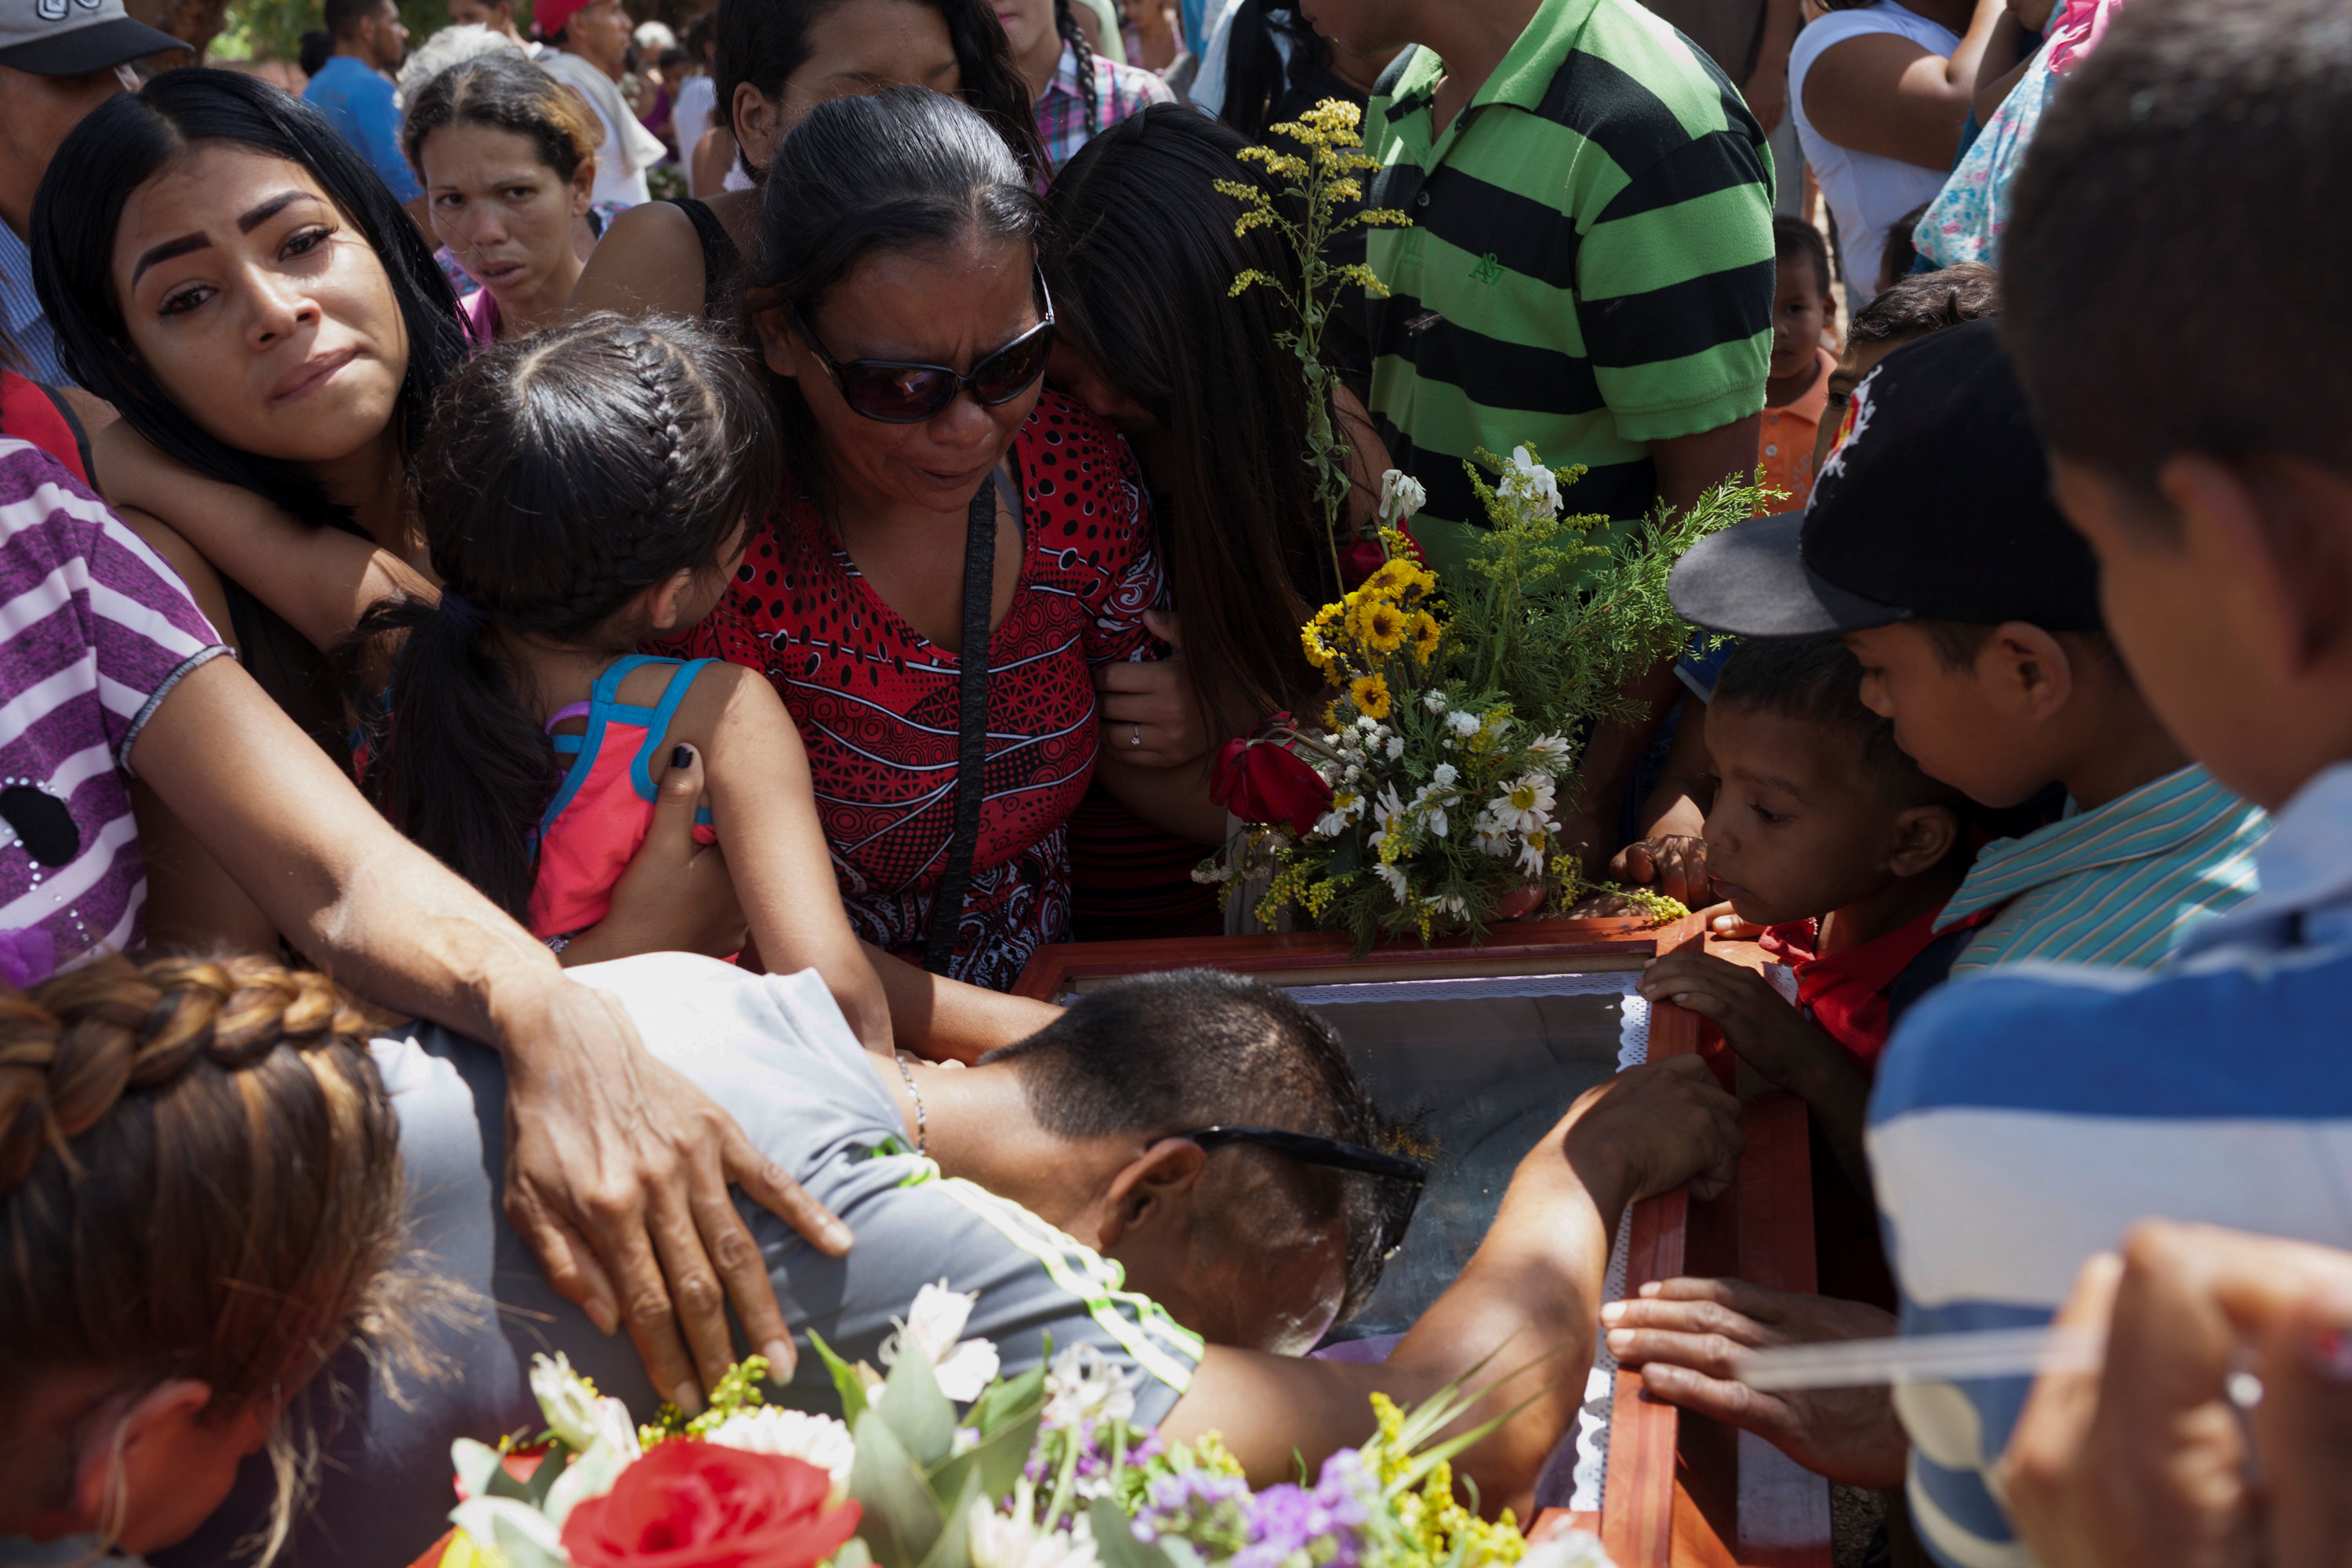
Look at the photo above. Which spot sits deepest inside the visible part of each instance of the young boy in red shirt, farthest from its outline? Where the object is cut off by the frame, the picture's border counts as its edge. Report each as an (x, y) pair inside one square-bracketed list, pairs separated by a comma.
[(1827, 834)]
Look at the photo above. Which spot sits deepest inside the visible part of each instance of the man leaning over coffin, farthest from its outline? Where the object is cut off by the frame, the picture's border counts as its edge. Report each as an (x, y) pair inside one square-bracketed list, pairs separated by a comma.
[(1087, 1182)]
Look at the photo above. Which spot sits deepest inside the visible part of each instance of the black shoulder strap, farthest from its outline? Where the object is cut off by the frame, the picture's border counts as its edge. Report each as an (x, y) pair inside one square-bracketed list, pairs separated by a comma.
[(971, 730), (719, 255)]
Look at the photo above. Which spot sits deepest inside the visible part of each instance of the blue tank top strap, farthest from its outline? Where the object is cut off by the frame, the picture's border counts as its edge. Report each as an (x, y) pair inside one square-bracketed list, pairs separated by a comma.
[(657, 724), (604, 706)]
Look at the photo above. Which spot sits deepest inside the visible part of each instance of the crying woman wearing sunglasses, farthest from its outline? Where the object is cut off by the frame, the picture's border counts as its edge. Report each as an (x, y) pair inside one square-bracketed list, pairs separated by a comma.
[(957, 550)]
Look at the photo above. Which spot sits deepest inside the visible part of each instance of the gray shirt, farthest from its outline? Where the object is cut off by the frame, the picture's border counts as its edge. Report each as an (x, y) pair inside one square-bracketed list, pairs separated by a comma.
[(774, 1050)]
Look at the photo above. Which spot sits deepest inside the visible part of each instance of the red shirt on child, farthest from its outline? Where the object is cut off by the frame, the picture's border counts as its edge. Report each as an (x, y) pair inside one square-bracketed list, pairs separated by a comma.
[(1844, 994)]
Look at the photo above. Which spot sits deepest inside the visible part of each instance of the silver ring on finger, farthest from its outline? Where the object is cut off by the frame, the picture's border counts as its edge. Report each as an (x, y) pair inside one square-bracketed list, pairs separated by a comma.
[(1136, 738)]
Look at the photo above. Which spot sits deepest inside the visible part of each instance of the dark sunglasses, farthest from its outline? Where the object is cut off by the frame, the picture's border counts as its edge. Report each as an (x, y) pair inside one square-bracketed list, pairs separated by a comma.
[(900, 391), (1396, 1206)]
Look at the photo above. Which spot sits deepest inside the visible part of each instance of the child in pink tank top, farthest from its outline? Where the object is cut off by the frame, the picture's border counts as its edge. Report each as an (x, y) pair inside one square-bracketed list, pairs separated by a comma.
[(582, 491)]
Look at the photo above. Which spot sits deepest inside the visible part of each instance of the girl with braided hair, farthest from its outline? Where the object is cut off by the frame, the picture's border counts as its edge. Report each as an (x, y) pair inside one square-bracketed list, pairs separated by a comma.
[(1078, 93), (583, 491), (200, 1201)]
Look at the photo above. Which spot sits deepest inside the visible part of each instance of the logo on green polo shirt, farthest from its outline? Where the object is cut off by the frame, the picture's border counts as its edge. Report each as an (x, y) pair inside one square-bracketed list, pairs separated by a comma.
[(1489, 269)]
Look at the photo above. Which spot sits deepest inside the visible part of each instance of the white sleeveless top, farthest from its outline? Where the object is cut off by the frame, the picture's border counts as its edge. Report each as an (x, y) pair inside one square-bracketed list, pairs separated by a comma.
[(1866, 191)]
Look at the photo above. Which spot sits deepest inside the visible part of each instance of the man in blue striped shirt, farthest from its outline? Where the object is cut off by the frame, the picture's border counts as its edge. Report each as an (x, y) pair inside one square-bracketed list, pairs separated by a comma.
[(2023, 1119)]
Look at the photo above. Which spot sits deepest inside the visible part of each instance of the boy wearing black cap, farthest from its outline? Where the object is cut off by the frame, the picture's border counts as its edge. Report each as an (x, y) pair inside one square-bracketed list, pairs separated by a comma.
[(1933, 546)]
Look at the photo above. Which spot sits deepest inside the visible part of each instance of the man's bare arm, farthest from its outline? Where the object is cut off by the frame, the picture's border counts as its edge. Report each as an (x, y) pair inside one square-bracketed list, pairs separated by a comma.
[(1529, 1299)]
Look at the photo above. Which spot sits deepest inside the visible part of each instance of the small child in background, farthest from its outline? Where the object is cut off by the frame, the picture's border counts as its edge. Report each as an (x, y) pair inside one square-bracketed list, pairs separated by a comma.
[(1796, 387), (583, 491), (1825, 834), (1913, 308)]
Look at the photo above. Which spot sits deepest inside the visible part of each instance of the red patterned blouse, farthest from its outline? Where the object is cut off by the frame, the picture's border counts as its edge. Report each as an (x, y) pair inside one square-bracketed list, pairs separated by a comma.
[(877, 704)]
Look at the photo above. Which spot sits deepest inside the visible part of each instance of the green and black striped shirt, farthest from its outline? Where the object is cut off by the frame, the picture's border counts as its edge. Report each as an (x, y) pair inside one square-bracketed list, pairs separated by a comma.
[(1590, 265)]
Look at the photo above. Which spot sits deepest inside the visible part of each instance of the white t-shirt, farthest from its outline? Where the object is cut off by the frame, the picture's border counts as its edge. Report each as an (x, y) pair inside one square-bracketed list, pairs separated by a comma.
[(620, 167), (689, 117), (1866, 191)]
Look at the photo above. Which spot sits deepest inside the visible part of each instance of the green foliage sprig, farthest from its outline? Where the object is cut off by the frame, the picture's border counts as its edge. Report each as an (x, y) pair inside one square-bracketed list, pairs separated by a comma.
[(1322, 183)]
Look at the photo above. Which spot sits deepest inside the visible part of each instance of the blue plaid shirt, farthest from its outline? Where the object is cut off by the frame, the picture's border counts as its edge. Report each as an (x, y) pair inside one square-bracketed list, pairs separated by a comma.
[(29, 329)]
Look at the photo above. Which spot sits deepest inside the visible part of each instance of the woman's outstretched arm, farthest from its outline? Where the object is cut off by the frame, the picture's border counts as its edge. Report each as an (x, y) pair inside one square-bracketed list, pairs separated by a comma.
[(763, 804), (618, 1168)]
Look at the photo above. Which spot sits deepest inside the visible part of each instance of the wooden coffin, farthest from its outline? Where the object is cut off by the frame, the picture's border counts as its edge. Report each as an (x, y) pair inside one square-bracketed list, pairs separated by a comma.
[(1681, 1490)]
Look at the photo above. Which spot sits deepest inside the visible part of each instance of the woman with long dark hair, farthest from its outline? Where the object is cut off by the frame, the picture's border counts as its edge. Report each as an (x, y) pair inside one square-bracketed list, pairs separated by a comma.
[(956, 549), (1141, 253), (234, 279), (777, 60), (224, 270)]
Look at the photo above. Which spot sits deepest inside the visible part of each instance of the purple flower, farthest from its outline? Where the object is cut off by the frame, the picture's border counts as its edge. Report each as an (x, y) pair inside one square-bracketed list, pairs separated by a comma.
[(1198, 1505)]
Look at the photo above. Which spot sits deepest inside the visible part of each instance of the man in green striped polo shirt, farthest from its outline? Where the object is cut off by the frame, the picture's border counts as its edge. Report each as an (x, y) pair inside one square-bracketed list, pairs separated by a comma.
[(1590, 265)]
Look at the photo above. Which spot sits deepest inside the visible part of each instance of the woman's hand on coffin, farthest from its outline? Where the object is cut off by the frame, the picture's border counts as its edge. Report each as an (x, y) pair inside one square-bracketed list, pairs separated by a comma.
[(1652, 1129), (676, 896), (1687, 1336)]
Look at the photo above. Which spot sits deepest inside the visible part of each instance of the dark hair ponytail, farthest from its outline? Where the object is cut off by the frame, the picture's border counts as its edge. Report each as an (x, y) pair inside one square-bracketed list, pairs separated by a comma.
[(1141, 253), (762, 42), (561, 475), (124, 142), (318, 46), (904, 169), (1066, 24)]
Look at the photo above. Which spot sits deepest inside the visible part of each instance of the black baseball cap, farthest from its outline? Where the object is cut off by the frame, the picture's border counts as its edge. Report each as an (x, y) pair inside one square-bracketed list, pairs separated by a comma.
[(72, 38), (1934, 505)]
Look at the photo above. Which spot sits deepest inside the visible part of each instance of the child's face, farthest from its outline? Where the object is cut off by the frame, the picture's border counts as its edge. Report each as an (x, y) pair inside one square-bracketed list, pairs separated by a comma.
[(153, 1465), (1800, 309), (1800, 827), (1970, 727)]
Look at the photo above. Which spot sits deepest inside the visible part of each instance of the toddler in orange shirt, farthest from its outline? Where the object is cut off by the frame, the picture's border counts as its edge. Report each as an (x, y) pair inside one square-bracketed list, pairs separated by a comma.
[(1795, 388)]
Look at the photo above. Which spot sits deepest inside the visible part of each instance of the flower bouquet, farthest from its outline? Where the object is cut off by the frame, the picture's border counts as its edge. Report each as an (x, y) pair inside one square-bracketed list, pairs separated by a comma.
[(1432, 790), (941, 1464)]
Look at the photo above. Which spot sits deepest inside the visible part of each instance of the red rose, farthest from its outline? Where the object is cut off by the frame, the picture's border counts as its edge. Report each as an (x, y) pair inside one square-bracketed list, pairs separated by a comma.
[(1359, 560), (689, 1504), (1259, 781)]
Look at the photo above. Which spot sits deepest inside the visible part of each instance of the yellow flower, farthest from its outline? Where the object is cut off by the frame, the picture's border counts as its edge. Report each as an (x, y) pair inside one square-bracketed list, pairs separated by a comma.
[(1381, 626), (1395, 576), (1370, 693), (1422, 630), (1318, 653)]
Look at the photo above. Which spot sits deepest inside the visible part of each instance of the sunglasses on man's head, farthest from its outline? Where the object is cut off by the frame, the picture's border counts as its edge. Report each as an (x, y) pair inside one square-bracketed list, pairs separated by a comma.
[(902, 392), (1308, 1149)]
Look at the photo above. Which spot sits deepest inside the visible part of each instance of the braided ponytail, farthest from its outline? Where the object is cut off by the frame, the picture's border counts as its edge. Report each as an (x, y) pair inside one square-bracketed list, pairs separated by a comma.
[(561, 474), (1066, 23), (199, 1178)]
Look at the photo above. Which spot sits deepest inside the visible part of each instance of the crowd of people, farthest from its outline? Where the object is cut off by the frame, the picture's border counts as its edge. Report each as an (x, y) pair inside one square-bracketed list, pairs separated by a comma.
[(410, 528)]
